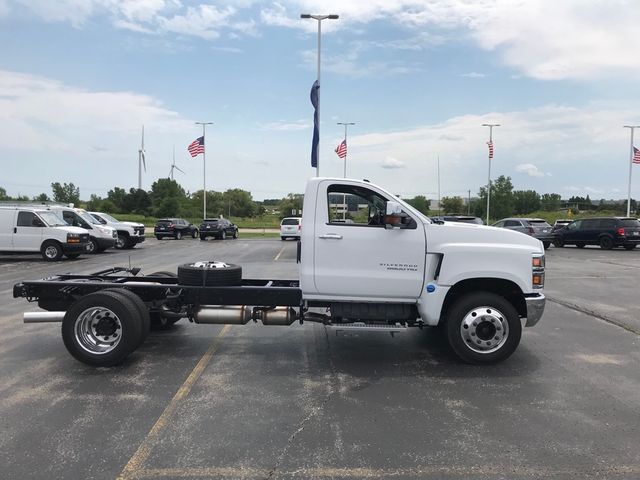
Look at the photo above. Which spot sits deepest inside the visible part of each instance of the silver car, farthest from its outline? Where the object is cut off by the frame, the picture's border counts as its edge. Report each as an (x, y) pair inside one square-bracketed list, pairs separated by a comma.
[(536, 227)]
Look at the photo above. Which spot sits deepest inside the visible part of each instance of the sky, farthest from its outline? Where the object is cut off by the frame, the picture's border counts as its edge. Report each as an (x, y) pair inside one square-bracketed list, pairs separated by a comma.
[(79, 79)]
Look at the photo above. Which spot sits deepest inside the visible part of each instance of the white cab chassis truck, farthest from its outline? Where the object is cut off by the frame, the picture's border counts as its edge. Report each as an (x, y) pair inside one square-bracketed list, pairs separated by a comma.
[(368, 261)]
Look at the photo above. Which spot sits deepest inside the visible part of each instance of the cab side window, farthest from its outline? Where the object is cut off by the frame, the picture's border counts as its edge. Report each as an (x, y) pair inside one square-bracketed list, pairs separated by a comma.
[(28, 219), (355, 205)]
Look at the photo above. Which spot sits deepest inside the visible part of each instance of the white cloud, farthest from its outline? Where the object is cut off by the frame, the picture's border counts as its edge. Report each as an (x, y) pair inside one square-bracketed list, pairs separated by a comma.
[(473, 75), (392, 163), (530, 169), (286, 126)]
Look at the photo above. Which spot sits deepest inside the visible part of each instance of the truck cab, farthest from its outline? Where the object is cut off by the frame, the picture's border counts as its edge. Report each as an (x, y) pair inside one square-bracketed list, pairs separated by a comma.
[(390, 262)]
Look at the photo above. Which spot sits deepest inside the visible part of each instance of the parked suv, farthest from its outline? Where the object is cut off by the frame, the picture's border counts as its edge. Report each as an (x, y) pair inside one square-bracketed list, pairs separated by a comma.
[(129, 233), (174, 227), (561, 223), (219, 228), (536, 227), (608, 232), (290, 227), (36, 229)]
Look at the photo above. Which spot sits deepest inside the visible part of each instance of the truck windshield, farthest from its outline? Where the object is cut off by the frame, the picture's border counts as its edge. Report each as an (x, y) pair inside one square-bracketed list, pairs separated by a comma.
[(88, 218), (109, 218), (52, 219)]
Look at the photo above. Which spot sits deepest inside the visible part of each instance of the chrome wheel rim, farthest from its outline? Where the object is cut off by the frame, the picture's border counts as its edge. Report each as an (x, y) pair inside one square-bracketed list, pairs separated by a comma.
[(98, 330), (51, 252), (120, 242), (484, 329), (91, 247)]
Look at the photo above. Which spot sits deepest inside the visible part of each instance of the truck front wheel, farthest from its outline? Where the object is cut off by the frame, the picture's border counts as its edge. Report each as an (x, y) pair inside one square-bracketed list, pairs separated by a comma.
[(483, 328), (102, 328)]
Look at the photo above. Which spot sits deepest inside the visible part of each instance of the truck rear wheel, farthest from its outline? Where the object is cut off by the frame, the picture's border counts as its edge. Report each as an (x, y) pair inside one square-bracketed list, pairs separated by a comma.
[(483, 328), (210, 274), (102, 328), (143, 311)]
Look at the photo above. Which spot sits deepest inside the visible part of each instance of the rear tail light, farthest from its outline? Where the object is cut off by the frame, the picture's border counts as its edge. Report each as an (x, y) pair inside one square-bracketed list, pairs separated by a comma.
[(621, 231), (531, 231), (299, 226), (171, 225)]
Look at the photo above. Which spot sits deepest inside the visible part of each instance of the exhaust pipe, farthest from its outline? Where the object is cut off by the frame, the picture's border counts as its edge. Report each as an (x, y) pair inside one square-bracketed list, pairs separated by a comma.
[(43, 317), (223, 314), (276, 316)]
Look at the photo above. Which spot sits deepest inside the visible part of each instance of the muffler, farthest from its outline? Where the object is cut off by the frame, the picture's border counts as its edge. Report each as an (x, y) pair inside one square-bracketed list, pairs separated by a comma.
[(276, 316), (223, 314), (42, 317)]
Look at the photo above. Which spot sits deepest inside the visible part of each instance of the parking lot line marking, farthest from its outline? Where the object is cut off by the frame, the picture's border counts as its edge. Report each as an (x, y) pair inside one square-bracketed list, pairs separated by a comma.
[(138, 458), (278, 255), (465, 471)]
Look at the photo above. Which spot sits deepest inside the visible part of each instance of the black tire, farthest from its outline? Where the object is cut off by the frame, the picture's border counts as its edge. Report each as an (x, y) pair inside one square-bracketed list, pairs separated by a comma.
[(283, 238), (492, 338), (159, 237), (546, 245), (580, 244), (178, 235), (235, 234), (122, 241), (143, 311), (629, 246), (223, 235), (51, 251), (203, 237), (606, 242), (93, 347), (71, 256), (92, 246), (194, 234), (558, 242), (130, 244), (210, 274)]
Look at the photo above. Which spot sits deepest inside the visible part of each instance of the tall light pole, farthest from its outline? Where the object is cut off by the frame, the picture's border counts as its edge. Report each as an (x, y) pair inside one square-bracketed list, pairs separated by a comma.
[(630, 127), (490, 125), (204, 167), (319, 18), (346, 124)]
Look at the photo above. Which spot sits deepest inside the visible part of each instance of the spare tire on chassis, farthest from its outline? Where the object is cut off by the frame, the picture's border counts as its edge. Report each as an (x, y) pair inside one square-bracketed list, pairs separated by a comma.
[(102, 328), (209, 274)]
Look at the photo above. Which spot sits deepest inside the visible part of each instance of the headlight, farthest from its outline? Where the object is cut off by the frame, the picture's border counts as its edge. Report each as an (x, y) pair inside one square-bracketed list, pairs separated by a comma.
[(73, 238)]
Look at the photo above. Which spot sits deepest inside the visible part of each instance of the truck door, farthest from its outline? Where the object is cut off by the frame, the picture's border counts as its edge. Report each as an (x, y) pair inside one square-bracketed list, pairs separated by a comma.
[(28, 232), (355, 255)]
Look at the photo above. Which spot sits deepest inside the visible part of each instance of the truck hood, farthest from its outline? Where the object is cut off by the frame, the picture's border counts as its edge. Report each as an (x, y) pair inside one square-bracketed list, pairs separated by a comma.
[(448, 233), (133, 224), (70, 229)]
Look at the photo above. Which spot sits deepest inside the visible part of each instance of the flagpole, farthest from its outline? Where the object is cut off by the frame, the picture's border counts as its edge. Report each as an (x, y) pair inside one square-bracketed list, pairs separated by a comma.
[(204, 167), (630, 127), (439, 212), (490, 125), (319, 18)]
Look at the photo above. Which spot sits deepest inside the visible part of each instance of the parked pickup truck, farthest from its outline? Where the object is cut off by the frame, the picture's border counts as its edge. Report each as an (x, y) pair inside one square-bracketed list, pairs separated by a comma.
[(387, 269)]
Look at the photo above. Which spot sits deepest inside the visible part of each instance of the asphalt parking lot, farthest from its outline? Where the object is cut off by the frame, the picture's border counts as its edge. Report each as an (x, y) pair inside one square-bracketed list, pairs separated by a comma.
[(255, 402)]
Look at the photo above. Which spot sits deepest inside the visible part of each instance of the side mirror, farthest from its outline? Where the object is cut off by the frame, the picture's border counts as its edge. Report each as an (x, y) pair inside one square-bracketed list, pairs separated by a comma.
[(394, 217), (394, 209)]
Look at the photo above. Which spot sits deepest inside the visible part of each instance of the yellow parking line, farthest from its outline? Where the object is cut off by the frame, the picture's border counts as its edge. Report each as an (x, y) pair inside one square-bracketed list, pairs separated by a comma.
[(135, 462)]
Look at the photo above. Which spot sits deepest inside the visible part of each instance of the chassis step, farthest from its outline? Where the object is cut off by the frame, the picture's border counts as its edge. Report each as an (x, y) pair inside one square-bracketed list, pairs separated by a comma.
[(363, 327)]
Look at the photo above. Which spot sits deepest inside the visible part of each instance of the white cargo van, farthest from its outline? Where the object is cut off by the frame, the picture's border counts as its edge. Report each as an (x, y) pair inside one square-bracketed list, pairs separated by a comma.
[(101, 237), (32, 230)]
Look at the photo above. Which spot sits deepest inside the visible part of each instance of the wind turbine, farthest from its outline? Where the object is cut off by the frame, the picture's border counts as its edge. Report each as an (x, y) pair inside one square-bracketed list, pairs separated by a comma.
[(141, 161), (173, 165)]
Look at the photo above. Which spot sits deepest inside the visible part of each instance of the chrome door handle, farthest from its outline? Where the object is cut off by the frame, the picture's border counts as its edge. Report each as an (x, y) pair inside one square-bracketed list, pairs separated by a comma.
[(331, 236)]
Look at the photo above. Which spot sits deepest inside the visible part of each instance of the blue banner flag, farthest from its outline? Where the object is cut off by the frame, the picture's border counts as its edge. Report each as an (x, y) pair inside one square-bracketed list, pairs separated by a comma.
[(316, 127)]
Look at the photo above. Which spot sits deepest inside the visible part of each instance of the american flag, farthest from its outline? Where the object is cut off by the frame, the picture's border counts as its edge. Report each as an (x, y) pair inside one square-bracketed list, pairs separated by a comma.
[(636, 155), (196, 147), (490, 149), (341, 150)]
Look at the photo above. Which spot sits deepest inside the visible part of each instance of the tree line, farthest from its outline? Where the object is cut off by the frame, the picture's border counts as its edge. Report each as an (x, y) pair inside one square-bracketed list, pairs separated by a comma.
[(167, 198)]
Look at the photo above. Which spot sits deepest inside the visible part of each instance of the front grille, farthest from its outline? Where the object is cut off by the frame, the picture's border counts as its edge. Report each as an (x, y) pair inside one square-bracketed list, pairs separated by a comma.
[(139, 230)]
